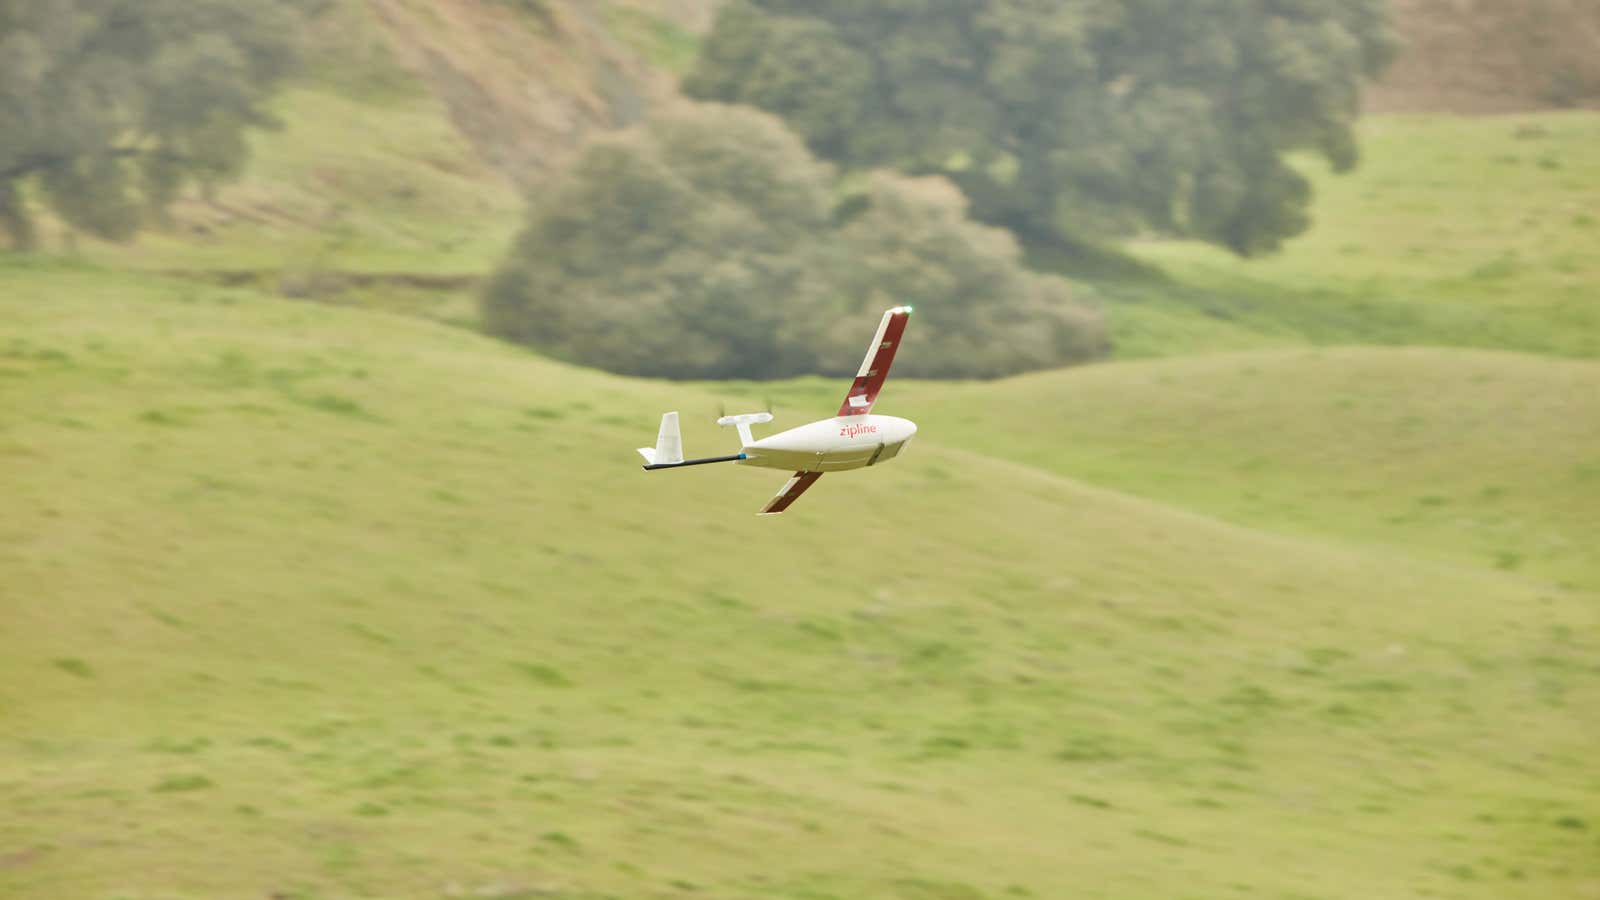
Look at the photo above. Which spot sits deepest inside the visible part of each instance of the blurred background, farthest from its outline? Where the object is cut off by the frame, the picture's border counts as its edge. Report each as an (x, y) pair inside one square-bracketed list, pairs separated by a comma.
[(1248, 547)]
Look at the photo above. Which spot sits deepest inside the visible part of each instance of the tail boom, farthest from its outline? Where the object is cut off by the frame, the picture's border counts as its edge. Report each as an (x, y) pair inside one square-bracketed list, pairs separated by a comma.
[(651, 467)]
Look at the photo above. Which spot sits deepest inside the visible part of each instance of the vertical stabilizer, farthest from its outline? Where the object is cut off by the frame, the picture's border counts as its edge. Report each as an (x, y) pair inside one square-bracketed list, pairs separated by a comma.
[(669, 442), (668, 451)]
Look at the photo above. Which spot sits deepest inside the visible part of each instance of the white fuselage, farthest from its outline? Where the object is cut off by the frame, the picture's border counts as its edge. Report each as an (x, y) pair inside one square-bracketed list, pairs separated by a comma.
[(832, 445)]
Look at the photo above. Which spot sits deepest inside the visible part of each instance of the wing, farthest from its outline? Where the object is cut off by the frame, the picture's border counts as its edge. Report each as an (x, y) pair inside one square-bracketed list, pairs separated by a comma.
[(875, 368), (790, 493)]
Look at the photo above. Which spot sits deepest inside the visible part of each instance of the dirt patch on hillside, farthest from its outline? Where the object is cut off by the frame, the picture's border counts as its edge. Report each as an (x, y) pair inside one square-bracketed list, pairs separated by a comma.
[(323, 282), (1493, 56), (524, 81), (527, 81), (693, 15)]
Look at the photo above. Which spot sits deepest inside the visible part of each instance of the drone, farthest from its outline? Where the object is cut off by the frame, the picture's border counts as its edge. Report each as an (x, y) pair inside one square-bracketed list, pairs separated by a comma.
[(853, 439)]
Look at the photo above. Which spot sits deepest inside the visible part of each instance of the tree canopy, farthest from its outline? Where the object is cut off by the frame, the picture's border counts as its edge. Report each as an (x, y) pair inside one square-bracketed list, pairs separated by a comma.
[(110, 106), (711, 244), (1069, 121)]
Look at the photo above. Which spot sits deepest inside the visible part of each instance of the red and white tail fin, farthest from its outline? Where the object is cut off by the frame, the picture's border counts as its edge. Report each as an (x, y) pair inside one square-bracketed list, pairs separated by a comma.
[(875, 368)]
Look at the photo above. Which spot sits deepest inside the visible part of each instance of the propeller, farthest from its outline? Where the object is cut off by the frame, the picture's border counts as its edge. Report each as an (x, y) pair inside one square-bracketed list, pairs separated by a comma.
[(722, 406)]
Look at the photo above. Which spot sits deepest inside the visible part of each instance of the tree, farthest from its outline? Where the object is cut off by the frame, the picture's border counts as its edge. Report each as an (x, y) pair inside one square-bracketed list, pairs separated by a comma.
[(980, 312), (1069, 121), (678, 249), (711, 244), (108, 107)]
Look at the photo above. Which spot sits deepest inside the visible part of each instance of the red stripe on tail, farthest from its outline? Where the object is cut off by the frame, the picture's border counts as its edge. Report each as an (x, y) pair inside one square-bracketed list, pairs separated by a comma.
[(875, 369)]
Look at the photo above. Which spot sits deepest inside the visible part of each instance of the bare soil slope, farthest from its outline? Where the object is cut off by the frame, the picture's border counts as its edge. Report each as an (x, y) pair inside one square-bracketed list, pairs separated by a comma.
[(526, 81), (1493, 56)]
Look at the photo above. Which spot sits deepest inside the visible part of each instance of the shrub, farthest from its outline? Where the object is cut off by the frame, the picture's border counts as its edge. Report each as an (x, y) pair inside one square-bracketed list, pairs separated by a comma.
[(711, 244)]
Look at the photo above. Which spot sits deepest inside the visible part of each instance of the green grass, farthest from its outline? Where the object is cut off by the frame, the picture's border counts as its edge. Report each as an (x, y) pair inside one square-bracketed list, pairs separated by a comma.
[(1483, 458), (324, 599), (1471, 232), (366, 196), (320, 602), (662, 43), (348, 184), (365, 174)]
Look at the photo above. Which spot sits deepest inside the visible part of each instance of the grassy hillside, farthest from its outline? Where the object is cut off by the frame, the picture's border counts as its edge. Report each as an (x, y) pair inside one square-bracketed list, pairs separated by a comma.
[(1490, 459), (316, 602), (1453, 232), (304, 594), (350, 184), (366, 195), (1456, 232)]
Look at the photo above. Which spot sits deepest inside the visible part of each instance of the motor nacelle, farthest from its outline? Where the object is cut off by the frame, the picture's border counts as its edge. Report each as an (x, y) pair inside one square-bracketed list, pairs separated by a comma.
[(743, 423)]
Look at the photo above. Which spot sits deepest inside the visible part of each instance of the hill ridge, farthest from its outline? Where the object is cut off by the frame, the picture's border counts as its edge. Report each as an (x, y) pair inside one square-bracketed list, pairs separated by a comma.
[(365, 604)]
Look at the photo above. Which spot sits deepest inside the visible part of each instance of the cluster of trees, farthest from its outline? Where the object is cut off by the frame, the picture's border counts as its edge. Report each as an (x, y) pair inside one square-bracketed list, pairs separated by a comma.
[(1069, 121), (715, 242), (109, 107), (710, 243)]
